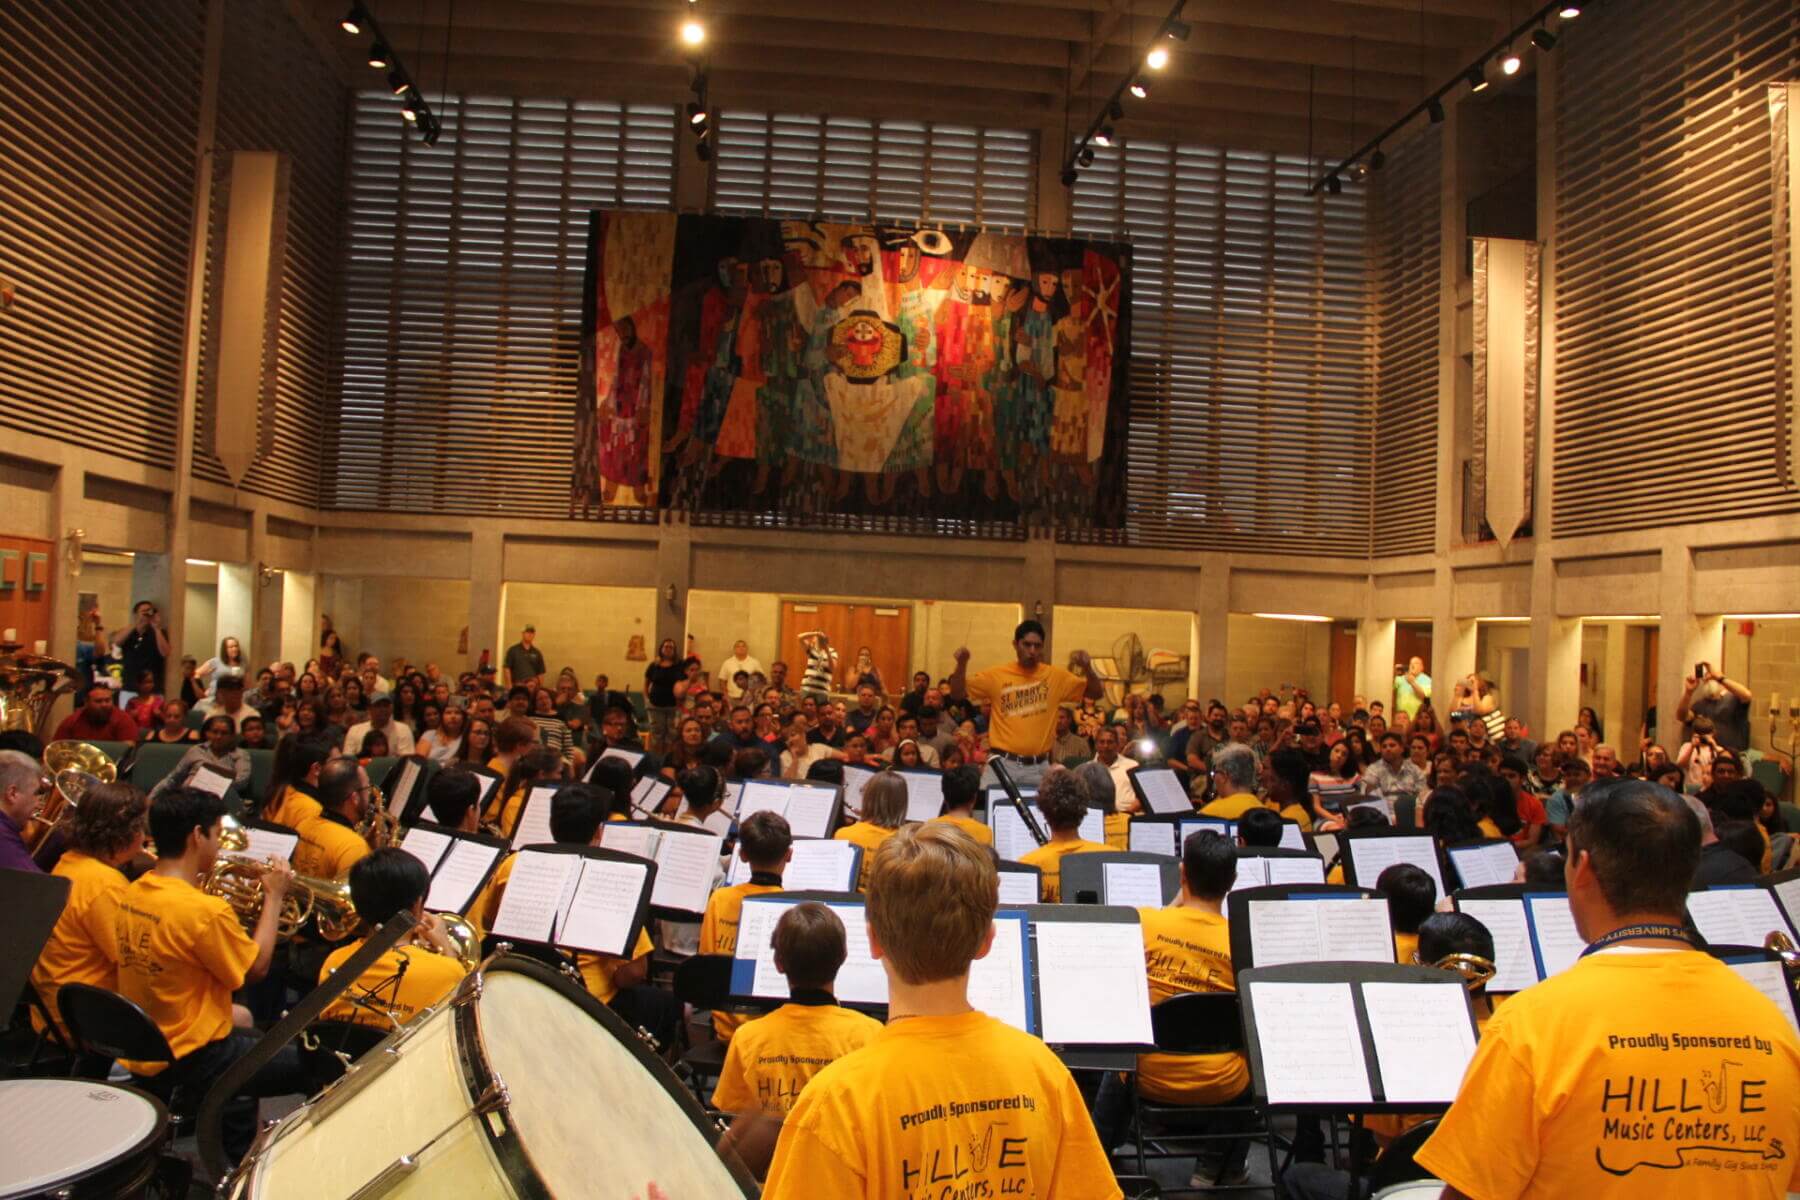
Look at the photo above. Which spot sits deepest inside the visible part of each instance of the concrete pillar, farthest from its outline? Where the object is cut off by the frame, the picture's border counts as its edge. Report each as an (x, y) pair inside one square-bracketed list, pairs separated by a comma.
[(1634, 677), (299, 639), (237, 604), (1555, 690), (1037, 595), (1212, 634), (1687, 637), (264, 646), (1375, 660), (65, 507), (1453, 643), (487, 565)]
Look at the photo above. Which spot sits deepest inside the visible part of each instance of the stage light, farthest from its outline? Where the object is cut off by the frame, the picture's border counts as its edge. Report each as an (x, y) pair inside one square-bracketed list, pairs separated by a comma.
[(1104, 137), (1086, 156), (1140, 89), (1378, 159), (1158, 58), (1434, 108), (428, 129), (378, 56), (1115, 110), (1569, 12), (1069, 177), (1145, 748), (409, 105), (1333, 184), (1177, 30), (354, 20), (696, 114), (1543, 39), (1510, 63), (692, 31), (398, 81), (1359, 172), (1477, 81)]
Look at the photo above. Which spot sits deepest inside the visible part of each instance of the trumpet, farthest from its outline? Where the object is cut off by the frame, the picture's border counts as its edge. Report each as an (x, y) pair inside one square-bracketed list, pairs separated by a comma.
[(1475, 970), (238, 881)]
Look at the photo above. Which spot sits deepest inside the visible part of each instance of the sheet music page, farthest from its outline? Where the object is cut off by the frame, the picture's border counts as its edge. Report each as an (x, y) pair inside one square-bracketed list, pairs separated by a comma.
[(1225, 829), (1312, 1051), (1479, 866), (210, 779), (1092, 988), (403, 789), (734, 792), (1012, 841), (997, 982), (1295, 870), (861, 980), (1163, 791), (809, 810), (1769, 979), (1373, 855), (1135, 885), (1355, 930), (460, 875), (605, 900), (487, 784), (268, 843), (1291, 837), (818, 866), (535, 894), (1424, 1039), (1553, 932), (630, 839), (630, 758), (1020, 887), (1093, 826), (426, 845), (1251, 872), (649, 793), (534, 822), (855, 780), (1742, 916), (1515, 968), (686, 866), (1327, 846), (738, 871), (1152, 837), (760, 794), (755, 927), (1788, 893), (924, 795)]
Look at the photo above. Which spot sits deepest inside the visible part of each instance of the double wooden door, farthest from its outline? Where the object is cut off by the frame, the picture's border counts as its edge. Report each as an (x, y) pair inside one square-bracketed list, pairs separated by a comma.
[(886, 629)]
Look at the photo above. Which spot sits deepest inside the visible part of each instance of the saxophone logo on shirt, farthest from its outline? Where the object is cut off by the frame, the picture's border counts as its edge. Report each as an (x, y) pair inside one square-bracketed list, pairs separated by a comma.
[(975, 1161), (1710, 1120)]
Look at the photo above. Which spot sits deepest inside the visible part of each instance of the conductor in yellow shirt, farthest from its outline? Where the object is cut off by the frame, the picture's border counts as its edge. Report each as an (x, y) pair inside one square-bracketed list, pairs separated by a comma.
[(772, 1058), (418, 972), (765, 843), (1062, 800), (1649, 1068), (944, 1095), (1022, 699)]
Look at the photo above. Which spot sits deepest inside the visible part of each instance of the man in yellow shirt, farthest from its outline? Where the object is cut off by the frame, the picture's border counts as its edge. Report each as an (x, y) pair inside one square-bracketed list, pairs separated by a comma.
[(418, 972), (1649, 1068), (1062, 800), (962, 787), (181, 953), (105, 833), (1187, 948), (772, 1058), (944, 1094), (1023, 697), (765, 843), (1234, 782), (452, 797)]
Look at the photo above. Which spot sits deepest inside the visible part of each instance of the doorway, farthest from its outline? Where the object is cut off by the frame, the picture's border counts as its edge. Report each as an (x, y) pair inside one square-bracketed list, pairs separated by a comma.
[(886, 629)]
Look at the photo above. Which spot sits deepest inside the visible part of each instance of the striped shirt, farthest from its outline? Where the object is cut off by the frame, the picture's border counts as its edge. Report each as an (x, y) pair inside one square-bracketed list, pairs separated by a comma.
[(818, 670)]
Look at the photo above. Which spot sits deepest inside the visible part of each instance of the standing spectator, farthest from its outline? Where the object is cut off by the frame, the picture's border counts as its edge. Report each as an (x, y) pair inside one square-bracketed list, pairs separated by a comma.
[(821, 665), (97, 720), (524, 660), (740, 660), (1412, 687), (660, 678), (228, 661), (778, 682), (1721, 701), (142, 645)]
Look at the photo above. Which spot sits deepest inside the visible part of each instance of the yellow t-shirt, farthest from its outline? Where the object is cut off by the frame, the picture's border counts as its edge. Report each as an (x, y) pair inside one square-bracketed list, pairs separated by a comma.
[(1189, 950), (292, 808), (867, 835), (508, 814), (1298, 814), (1023, 720), (1048, 859), (596, 969), (327, 849), (773, 1057), (1230, 808), (428, 978), (1631, 1074), (1118, 831), (718, 935), (1488, 828), (969, 825), (932, 1102), (180, 954), (80, 949), (1405, 946)]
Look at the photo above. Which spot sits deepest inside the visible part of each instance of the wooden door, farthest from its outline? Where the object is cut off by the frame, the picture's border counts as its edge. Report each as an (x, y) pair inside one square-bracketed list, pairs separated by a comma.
[(886, 629), (25, 590), (1343, 667)]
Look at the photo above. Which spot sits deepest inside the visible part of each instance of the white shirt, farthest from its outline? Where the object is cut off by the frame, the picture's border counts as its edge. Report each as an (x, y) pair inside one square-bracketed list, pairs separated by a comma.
[(732, 666), (399, 736), (1124, 797), (435, 746)]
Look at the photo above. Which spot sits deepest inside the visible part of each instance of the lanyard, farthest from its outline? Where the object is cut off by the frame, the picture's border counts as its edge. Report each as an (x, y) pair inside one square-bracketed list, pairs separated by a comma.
[(1674, 933)]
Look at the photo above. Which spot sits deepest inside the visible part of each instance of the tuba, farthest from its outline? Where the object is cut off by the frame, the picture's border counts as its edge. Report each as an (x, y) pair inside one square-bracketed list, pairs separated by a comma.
[(1475, 970), (74, 768), (29, 686), (462, 935)]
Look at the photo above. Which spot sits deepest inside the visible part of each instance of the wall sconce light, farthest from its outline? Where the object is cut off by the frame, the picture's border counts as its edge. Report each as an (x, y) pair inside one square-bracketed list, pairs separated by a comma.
[(1037, 609), (265, 574), (72, 550), (669, 595)]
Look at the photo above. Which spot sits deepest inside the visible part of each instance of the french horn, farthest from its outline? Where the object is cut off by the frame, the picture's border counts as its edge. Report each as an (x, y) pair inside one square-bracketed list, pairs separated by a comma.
[(1475, 970)]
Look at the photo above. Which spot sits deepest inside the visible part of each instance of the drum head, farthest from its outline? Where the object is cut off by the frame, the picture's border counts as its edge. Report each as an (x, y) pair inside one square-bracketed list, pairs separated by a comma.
[(61, 1131), (594, 1112), (1412, 1189)]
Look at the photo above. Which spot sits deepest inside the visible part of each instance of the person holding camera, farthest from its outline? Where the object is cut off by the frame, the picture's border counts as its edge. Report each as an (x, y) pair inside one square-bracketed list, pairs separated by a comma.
[(1723, 702), (142, 645), (1695, 758)]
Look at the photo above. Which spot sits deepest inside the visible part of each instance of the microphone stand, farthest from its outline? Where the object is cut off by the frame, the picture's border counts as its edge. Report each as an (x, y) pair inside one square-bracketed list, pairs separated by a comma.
[(1018, 802)]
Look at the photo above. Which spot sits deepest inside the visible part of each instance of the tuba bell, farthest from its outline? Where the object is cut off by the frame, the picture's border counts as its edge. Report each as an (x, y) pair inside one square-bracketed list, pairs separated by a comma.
[(74, 768), (1475, 970), (29, 687), (462, 935)]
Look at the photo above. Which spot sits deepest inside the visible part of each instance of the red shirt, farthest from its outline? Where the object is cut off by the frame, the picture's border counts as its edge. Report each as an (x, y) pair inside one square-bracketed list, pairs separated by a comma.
[(77, 725)]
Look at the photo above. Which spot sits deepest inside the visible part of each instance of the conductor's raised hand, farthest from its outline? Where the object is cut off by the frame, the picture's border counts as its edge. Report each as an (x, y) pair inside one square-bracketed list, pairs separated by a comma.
[(961, 656)]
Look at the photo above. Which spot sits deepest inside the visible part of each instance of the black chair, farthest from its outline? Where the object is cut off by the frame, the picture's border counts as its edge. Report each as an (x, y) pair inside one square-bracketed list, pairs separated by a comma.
[(1396, 1164), (106, 1024), (324, 1041), (1194, 1023), (704, 982), (30, 1012)]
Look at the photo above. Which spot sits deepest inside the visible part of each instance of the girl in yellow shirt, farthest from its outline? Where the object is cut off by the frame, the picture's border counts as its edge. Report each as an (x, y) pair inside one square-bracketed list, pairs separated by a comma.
[(1062, 800), (883, 812)]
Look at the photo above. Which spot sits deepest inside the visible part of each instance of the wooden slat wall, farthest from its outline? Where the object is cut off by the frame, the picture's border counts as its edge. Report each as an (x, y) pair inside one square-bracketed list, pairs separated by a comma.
[(462, 297), (1664, 314), (305, 118), (102, 107), (1252, 359), (1405, 245)]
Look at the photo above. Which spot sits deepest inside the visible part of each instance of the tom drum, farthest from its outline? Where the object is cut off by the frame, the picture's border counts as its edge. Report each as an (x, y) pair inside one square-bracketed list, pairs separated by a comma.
[(77, 1139)]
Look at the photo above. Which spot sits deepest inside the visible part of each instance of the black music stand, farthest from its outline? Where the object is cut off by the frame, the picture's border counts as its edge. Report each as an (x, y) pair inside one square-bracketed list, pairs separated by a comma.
[(32, 902), (1084, 875)]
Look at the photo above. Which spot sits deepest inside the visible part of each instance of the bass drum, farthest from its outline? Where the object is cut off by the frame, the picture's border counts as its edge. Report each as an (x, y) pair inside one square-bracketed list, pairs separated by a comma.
[(1412, 1189), (521, 1086)]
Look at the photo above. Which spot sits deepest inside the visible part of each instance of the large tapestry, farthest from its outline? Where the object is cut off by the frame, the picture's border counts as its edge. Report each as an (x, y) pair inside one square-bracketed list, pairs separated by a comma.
[(806, 367)]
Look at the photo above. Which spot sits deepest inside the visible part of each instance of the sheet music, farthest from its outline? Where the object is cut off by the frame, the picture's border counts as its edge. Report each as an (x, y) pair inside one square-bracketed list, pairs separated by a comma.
[(860, 980), (1327, 846), (718, 822), (268, 843), (809, 810), (1225, 829), (460, 875), (533, 828), (537, 892), (924, 795), (648, 794), (1736, 916), (819, 866), (1137, 885), (1769, 979), (603, 906), (1298, 931), (1251, 873), (1553, 932), (686, 866), (630, 758), (1515, 968), (403, 789), (487, 784), (1020, 887), (1012, 841), (630, 839), (1423, 1037), (1373, 855), (1312, 1051), (1291, 837), (1295, 870), (1788, 893), (210, 779), (1163, 791), (756, 925), (855, 780), (428, 846), (760, 794), (997, 982), (1153, 837), (734, 792), (1479, 866), (1091, 983), (1093, 827)]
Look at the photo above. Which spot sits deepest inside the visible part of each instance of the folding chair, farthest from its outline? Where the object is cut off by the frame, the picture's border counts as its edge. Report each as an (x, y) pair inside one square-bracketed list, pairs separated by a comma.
[(704, 982), (1194, 1024)]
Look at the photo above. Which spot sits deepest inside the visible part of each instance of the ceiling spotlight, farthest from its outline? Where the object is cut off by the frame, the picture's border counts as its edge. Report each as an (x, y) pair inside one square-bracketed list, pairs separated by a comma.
[(409, 105), (428, 129), (1177, 30), (1543, 39), (1158, 58), (695, 114), (1140, 89), (1378, 159), (1434, 108), (1510, 63), (398, 81), (378, 56), (1359, 172), (1085, 156), (1333, 184), (354, 20), (1069, 176), (692, 31), (1569, 12), (1104, 137), (1477, 81)]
